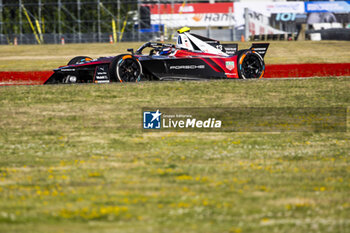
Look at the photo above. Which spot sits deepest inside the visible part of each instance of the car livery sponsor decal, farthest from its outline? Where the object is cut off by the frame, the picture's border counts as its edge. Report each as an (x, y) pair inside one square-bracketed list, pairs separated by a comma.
[(102, 74), (187, 67), (230, 65), (67, 70)]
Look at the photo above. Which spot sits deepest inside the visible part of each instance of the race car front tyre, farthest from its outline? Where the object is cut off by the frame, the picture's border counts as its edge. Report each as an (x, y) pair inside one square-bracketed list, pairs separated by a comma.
[(125, 68), (250, 65), (79, 59)]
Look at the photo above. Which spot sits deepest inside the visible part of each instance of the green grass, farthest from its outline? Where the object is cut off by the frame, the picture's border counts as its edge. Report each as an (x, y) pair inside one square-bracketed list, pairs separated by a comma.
[(48, 57), (73, 158)]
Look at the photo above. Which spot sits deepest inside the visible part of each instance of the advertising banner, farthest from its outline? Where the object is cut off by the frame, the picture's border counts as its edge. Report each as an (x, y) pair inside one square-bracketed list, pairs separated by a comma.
[(285, 7), (334, 7), (263, 10), (189, 8), (264, 17), (260, 12), (327, 17), (288, 17), (192, 15), (218, 14)]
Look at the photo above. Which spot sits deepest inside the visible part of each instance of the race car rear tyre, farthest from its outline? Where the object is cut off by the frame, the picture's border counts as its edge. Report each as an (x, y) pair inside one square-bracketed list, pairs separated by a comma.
[(125, 68), (79, 59), (250, 65)]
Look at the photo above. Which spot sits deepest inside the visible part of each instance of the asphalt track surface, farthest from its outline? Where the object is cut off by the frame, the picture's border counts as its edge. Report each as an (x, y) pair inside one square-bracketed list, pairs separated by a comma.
[(272, 71)]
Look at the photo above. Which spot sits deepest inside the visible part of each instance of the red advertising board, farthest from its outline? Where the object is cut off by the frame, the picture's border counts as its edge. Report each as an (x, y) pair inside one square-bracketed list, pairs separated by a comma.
[(190, 8)]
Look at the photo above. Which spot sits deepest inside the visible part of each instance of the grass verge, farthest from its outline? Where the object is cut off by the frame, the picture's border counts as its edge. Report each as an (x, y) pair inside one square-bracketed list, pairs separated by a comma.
[(73, 158)]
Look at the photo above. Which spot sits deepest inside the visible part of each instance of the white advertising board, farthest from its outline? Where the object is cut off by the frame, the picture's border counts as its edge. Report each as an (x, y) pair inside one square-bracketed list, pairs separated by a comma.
[(219, 14)]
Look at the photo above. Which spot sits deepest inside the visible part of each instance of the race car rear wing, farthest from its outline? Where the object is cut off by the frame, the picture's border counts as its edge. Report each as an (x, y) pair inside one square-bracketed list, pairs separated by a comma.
[(231, 49), (260, 48)]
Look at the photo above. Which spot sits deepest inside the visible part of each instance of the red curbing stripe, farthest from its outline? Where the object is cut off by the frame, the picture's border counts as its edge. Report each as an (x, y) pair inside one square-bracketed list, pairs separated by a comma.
[(272, 71), (307, 70), (24, 77)]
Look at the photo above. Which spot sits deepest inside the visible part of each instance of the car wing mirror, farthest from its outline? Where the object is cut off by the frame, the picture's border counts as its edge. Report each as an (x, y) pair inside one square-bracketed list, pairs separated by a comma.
[(131, 51)]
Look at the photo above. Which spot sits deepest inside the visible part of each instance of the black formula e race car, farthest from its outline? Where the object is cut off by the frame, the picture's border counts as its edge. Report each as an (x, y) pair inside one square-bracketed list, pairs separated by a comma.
[(193, 57)]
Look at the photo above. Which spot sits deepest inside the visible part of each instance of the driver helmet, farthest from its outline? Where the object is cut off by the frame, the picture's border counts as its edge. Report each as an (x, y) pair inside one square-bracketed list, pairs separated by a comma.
[(165, 51)]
